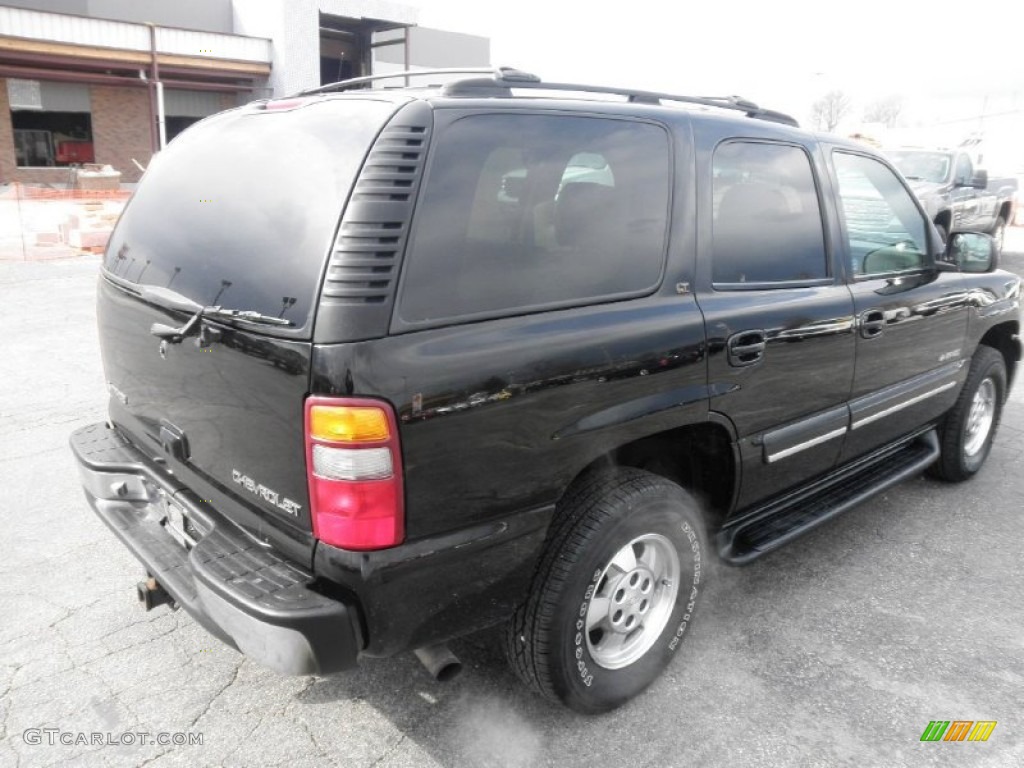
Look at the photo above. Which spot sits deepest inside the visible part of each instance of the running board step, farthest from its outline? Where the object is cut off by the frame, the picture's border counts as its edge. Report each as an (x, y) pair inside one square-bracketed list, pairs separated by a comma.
[(783, 520)]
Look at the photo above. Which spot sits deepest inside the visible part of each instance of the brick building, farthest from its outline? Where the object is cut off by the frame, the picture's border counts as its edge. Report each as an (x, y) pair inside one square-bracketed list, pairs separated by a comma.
[(110, 81)]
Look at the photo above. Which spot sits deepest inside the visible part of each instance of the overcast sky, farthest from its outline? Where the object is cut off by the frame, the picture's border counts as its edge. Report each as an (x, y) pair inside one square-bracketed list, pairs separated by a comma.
[(782, 54)]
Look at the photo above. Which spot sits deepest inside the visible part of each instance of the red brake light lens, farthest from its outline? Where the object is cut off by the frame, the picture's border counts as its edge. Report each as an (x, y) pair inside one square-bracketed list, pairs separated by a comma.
[(354, 470)]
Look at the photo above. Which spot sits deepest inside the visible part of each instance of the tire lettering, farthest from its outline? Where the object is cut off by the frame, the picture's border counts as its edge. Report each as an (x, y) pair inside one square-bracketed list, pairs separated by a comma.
[(585, 676), (695, 548)]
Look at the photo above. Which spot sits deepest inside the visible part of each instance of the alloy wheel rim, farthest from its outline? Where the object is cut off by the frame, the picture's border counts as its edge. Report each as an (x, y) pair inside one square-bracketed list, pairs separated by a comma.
[(980, 418), (635, 596)]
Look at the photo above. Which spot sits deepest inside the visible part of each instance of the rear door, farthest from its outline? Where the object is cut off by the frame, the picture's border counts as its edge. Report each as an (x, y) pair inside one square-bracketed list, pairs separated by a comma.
[(912, 318), (779, 317), (239, 211)]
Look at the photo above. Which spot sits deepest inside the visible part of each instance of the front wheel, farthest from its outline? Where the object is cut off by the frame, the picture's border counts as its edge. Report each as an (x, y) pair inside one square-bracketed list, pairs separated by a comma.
[(616, 589), (969, 428)]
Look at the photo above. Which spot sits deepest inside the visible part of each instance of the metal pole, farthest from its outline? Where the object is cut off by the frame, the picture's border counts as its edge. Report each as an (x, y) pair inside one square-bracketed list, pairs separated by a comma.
[(405, 53), (161, 137), (21, 220), (161, 117)]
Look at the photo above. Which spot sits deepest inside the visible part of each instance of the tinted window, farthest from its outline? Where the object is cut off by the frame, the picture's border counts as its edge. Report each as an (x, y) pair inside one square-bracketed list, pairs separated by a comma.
[(766, 219), (241, 210), (885, 231), (527, 211)]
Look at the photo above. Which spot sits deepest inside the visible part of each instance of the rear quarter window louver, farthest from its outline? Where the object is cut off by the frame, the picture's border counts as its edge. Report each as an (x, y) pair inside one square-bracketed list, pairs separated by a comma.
[(359, 285)]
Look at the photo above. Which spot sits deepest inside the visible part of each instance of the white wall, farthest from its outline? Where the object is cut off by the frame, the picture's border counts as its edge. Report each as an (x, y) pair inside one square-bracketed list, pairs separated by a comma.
[(294, 27)]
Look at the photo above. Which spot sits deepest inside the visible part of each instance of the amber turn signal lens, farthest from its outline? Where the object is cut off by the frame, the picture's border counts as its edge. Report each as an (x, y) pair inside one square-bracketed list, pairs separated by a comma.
[(348, 424)]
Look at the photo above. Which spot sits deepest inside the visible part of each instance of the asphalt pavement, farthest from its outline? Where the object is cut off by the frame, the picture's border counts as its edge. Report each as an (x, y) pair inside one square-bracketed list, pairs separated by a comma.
[(836, 651)]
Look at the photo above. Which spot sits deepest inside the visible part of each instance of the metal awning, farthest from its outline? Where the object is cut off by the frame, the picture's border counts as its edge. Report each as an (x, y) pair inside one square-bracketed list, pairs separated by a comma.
[(64, 47)]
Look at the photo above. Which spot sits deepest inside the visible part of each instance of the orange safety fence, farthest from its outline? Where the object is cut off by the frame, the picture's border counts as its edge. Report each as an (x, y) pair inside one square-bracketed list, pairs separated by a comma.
[(19, 191)]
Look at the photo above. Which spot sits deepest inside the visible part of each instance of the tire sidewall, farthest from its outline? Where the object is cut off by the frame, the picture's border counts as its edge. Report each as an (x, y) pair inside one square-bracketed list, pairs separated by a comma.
[(992, 369), (586, 683)]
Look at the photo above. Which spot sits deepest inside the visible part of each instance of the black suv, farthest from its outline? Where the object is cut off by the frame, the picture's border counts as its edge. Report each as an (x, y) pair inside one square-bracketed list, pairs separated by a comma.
[(387, 367)]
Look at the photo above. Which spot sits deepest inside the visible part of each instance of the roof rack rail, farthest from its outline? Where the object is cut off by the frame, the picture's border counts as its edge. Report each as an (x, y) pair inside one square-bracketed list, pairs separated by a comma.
[(498, 74), (500, 84), (499, 81)]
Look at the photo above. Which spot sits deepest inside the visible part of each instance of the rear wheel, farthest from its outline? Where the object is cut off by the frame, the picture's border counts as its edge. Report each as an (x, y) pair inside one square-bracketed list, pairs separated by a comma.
[(615, 591), (970, 426)]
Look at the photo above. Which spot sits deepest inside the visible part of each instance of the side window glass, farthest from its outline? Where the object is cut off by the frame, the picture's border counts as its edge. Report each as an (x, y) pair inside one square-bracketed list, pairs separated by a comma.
[(884, 229), (766, 218), (520, 212)]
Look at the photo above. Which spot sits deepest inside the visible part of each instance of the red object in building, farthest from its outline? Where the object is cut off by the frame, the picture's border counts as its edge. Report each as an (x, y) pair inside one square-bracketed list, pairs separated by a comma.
[(74, 152)]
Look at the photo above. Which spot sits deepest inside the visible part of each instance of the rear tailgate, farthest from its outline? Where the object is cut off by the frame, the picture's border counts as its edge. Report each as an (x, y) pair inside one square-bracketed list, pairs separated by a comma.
[(240, 211)]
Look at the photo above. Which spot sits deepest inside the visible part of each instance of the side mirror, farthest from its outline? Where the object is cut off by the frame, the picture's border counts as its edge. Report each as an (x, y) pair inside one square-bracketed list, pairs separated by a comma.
[(973, 252), (980, 179)]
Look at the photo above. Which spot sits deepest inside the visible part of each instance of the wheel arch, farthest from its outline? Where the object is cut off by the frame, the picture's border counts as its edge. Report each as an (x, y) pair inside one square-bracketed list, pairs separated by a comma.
[(1005, 339), (701, 457)]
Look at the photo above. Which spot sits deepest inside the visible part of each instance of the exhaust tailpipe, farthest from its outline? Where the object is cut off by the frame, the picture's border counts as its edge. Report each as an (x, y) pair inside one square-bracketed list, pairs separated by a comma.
[(440, 662), (151, 595)]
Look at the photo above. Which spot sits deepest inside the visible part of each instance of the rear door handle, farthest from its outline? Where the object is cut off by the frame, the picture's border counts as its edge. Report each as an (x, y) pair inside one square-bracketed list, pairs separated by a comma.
[(746, 348), (872, 323)]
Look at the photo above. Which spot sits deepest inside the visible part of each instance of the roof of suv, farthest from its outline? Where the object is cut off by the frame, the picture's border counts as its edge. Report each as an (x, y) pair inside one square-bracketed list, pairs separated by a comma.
[(467, 84)]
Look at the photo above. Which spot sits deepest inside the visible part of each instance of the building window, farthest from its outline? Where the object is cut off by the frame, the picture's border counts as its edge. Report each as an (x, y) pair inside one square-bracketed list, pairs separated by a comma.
[(52, 139), (52, 124)]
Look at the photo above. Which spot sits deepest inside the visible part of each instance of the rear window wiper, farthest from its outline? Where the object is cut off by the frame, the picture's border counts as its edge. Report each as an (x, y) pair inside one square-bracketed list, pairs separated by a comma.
[(175, 335), (165, 297)]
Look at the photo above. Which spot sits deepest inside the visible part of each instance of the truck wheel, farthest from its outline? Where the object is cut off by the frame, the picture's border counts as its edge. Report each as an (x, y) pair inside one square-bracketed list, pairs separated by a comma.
[(970, 426), (616, 589), (999, 233), (943, 233)]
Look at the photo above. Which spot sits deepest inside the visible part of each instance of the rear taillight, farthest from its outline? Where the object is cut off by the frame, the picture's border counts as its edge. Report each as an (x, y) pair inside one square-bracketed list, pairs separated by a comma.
[(354, 467)]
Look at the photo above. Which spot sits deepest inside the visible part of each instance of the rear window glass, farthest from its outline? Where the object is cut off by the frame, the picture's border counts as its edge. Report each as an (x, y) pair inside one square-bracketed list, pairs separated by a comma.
[(521, 212), (241, 210)]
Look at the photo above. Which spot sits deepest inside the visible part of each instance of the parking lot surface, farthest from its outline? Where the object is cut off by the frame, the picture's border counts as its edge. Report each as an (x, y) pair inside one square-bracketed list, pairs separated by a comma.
[(835, 651)]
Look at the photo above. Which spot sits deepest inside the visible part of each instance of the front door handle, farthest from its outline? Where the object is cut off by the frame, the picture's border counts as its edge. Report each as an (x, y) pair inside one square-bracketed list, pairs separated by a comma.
[(746, 348), (872, 323)]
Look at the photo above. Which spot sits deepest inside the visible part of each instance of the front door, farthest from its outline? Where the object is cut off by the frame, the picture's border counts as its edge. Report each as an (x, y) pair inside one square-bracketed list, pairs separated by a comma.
[(911, 317), (778, 314), (964, 196)]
